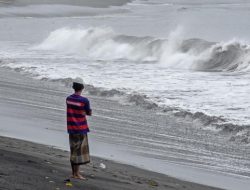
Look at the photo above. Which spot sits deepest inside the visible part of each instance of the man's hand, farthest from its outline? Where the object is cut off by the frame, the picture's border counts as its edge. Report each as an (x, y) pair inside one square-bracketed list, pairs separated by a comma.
[(89, 113)]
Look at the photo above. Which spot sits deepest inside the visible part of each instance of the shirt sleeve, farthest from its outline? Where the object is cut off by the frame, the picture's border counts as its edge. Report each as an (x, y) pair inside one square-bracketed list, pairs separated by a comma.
[(87, 106)]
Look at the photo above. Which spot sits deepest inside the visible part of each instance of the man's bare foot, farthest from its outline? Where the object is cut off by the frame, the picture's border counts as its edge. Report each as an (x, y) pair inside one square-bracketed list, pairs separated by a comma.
[(79, 176)]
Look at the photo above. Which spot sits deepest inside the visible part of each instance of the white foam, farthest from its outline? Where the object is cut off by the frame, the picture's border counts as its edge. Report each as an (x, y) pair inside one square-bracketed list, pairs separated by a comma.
[(105, 44), (94, 43)]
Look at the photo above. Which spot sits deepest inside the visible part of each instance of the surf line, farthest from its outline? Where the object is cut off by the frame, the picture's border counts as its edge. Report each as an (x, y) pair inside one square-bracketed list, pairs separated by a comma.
[(29, 103)]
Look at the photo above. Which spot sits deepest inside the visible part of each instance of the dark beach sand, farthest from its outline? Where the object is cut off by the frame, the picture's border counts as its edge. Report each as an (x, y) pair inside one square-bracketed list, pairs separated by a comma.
[(28, 166)]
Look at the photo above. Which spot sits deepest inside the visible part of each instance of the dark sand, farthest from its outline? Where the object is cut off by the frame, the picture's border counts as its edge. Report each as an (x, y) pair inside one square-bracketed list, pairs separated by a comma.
[(29, 166)]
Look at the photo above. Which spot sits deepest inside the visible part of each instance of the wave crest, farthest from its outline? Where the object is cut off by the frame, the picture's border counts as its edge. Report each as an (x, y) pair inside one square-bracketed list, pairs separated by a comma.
[(229, 56), (173, 52)]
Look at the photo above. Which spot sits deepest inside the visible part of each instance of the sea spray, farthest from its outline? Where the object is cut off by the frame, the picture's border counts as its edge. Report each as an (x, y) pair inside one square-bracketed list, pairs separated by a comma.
[(173, 52), (97, 43), (171, 55)]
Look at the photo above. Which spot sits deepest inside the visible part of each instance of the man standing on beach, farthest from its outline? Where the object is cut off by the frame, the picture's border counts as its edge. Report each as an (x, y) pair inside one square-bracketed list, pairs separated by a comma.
[(77, 109)]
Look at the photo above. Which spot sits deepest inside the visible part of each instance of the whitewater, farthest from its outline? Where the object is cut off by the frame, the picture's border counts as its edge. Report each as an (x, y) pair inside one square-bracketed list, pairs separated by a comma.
[(192, 75)]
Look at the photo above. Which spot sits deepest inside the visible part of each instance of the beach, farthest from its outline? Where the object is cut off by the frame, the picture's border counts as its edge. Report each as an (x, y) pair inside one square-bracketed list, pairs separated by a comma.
[(168, 91), (25, 165), (34, 110)]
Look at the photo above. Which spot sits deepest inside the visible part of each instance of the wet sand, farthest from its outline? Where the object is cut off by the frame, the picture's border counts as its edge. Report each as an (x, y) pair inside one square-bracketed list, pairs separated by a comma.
[(28, 166), (34, 110), (90, 3)]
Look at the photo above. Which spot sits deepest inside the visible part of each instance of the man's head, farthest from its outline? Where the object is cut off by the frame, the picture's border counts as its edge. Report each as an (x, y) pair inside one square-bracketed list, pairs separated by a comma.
[(78, 85)]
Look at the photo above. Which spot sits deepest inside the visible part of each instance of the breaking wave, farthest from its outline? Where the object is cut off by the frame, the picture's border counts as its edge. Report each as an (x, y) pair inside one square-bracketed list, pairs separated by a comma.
[(173, 52)]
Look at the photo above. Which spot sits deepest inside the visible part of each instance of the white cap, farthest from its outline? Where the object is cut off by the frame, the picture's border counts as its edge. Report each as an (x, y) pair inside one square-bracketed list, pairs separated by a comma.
[(78, 80)]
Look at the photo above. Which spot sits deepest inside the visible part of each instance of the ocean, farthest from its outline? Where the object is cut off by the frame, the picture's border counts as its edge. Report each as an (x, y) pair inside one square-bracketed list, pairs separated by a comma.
[(186, 58)]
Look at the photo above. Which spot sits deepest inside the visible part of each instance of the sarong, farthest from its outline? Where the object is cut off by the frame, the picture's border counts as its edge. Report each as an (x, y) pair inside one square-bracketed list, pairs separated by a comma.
[(79, 149)]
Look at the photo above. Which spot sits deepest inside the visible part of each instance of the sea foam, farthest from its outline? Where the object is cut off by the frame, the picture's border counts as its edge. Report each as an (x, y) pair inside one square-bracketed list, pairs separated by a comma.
[(173, 52)]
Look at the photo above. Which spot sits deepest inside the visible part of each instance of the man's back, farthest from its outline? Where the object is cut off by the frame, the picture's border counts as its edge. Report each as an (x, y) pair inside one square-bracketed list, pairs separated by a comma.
[(77, 109)]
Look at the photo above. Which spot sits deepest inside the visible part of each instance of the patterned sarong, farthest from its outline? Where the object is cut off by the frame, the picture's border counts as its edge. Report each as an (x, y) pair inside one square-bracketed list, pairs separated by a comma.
[(79, 149)]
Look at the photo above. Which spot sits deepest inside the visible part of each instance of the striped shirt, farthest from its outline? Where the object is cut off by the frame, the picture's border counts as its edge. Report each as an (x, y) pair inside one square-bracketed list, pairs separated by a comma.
[(77, 109)]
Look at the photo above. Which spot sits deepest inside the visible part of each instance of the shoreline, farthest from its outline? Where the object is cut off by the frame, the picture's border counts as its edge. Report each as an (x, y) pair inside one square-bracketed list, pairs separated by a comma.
[(92, 3), (26, 165), (43, 102), (143, 146)]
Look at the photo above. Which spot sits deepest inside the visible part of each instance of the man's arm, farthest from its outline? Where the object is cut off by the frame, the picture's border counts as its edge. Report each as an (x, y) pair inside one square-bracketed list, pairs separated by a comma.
[(87, 108)]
